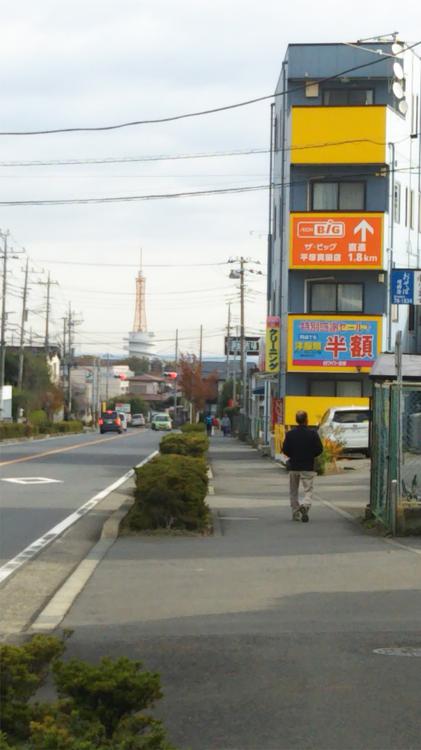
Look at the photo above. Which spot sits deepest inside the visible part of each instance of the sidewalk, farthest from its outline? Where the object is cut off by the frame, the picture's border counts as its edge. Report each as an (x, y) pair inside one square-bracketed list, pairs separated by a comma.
[(264, 633)]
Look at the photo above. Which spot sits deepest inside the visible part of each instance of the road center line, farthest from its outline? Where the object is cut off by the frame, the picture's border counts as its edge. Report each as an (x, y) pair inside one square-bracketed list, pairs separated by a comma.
[(39, 544), (62, 450)]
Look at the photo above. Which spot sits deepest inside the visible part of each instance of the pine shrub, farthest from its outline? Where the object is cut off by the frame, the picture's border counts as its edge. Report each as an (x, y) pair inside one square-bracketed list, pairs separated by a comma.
[(193, 427), (170, 494), (187, 444)]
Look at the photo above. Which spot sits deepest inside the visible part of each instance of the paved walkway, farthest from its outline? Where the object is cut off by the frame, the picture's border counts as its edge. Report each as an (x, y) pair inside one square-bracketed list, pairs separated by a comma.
[(264, 634)]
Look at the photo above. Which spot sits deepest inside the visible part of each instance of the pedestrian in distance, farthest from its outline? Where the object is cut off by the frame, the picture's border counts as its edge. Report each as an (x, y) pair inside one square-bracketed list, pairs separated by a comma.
[(301, 445), (208, 423), (226, 425)]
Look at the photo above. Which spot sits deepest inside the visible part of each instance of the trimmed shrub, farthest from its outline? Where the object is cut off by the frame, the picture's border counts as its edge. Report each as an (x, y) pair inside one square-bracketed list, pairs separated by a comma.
[(170, 494), (193, 427), (98, 706), (190, 444), (10, 430), (38, 418)]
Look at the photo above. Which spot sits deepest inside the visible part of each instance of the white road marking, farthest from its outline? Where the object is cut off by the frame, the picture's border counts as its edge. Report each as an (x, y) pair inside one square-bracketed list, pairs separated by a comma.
[(35, 547), (57, 608), (31, 480), (398, 651)]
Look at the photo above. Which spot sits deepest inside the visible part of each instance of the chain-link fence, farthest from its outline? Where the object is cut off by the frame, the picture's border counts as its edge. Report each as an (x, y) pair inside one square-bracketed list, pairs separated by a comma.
[(395, 497)]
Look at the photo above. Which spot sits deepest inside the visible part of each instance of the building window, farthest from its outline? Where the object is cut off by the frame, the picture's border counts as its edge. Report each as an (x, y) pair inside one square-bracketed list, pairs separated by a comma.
[(406, 206), (328, 297), (339, 388), (338, 196), (397, 203), (348, 97), (419, 213), (394, 311), (274, 222), (412, 209), (411, 318)]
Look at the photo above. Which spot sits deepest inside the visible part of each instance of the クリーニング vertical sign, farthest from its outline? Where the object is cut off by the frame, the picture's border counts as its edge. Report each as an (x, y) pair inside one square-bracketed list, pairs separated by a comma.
[(273, 343)]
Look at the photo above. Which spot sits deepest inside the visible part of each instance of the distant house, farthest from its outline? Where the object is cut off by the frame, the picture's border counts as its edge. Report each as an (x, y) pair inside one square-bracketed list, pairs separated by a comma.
[(150, 388)]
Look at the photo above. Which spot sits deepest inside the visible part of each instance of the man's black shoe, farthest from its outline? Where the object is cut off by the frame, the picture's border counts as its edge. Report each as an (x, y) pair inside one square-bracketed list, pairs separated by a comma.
[(304, 513)]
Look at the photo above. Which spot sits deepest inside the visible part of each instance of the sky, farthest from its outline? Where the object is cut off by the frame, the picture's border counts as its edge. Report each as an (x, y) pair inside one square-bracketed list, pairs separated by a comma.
[(89, 63)]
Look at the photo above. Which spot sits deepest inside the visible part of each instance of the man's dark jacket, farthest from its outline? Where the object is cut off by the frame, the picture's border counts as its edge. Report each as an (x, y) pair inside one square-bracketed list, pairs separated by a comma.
[(302, 445)]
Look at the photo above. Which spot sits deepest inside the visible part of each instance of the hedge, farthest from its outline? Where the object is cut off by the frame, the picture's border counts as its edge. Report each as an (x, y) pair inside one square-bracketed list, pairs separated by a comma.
[(98, 708), (188, 444), (193, 427), (9, 430), (170, 494)]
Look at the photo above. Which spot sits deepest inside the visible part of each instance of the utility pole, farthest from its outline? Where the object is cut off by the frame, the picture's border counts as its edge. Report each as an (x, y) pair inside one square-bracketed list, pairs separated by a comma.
[(107, 378), (3, 324), (22, 325), (47, 312), (228, 341), (201, 346), (175, 379), (242, 340), (69, 360)]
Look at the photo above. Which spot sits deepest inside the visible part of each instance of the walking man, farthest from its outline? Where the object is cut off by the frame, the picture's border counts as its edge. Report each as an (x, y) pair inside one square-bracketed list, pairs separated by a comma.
[(301, 445)]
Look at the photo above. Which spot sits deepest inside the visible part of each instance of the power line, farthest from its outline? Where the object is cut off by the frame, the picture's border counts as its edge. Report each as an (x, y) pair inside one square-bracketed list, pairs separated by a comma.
[(199, 113), (133, 159), (169, 196)]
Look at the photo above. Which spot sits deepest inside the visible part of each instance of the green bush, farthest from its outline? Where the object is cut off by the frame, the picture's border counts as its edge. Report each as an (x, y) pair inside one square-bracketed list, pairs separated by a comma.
[(188, 444), (98, 706), (193, 427), (170, 494), (38, 418), (10, 430)]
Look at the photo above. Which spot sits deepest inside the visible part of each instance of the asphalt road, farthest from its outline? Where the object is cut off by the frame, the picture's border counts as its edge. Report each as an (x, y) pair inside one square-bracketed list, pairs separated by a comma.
[(80, 465)]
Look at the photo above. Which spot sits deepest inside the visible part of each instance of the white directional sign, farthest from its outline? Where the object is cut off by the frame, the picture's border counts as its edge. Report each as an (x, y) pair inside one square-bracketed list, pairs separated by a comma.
[(32, 480)]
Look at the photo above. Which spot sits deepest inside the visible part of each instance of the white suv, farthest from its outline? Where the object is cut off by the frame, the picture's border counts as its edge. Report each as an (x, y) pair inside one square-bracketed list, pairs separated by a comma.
[(348, 425)]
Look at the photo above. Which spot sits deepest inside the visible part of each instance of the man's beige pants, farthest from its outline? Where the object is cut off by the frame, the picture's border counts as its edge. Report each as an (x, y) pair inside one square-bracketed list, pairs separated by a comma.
[(306, 478)]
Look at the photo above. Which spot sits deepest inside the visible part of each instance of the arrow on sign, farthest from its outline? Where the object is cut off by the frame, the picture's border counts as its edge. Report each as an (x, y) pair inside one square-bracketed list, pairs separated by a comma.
[(363, 227)]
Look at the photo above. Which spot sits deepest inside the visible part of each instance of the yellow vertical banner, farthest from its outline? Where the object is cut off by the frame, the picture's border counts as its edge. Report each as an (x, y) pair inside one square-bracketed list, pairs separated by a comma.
[(273, 343)]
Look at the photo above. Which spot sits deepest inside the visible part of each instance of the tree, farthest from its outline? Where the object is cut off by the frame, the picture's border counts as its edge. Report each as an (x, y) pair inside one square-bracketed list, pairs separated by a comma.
[(139, 365), (137, 405), (195, 388), (38, 392)]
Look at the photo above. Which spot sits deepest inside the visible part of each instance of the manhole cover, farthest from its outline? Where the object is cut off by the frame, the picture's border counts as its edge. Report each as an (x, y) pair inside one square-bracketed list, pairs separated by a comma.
[(402, 651)]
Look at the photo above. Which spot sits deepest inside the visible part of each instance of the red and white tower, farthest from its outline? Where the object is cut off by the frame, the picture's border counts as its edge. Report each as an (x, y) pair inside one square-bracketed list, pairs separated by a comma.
[(140, 340)]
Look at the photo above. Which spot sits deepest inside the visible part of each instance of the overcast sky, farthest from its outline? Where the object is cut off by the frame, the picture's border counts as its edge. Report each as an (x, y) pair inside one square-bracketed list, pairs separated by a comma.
[(99, 62)]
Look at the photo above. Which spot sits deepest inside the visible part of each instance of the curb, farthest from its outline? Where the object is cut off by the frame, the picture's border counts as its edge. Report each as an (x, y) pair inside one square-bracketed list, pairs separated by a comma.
[(56, 609)]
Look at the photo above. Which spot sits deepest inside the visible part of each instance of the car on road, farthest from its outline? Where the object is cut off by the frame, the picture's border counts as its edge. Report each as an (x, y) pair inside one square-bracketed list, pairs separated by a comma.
[(110, 421), (348, 425), (138, 420), (161, 421)]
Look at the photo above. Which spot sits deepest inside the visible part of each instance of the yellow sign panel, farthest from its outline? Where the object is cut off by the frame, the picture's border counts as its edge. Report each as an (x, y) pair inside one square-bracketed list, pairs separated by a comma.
[(338, 135), (333, 343), (273, 344), (316, 406)]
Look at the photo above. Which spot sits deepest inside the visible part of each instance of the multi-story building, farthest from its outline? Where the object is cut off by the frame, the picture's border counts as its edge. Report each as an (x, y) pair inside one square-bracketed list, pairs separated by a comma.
[(346, 209)]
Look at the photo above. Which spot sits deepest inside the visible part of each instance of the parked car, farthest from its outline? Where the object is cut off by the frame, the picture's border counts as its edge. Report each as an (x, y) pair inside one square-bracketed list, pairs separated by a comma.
[(138, 420), (348, 425), (110, 421), (123, 419), (161, 422)]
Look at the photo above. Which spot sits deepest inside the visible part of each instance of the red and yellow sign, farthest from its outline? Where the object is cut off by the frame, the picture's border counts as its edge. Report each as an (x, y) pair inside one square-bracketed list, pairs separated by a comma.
[(336, 240)]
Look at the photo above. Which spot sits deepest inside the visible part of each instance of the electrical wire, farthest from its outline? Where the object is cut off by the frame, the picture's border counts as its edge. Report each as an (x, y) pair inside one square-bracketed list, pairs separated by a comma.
[(199, 113), (171, 196), (132, 159)]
